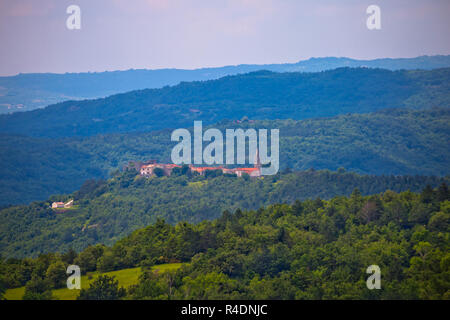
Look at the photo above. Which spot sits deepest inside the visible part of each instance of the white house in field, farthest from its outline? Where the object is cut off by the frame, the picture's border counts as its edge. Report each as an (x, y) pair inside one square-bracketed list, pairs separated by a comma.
[(56, 205), (68, 204)]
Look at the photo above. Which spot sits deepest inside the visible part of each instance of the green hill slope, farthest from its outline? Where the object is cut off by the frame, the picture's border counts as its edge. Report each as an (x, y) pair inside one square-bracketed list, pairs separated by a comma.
[(258, 95), (126, 277), (313, 249), (25, 92), (107, 211), (386, 142)]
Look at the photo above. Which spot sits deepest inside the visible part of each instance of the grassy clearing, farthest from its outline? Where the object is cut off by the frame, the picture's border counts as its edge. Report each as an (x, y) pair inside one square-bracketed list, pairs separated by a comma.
[(126, 278), (197, 184), (15, 294)]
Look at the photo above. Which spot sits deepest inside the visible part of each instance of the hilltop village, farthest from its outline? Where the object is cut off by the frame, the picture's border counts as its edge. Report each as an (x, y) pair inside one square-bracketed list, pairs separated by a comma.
[(148, 169), (152, 168)]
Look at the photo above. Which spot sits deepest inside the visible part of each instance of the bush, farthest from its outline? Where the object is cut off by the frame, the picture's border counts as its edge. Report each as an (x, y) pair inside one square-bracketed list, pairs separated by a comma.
[(103, 288)]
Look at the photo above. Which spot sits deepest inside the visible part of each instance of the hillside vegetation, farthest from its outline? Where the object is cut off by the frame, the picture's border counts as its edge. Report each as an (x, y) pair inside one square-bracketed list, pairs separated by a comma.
[(109, 210), (25, 92), (126, 278), (313, 249), (386, 142), (258, 95)]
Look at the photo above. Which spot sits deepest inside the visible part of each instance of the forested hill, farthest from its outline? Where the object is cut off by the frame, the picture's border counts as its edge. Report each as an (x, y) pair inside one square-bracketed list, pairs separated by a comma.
[(25, 92), (106, 211), (258, 95), (313, 249), (385, 142)]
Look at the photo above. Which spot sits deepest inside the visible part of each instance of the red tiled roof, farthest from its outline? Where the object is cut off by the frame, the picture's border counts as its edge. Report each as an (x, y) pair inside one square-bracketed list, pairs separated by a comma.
[(205, 168), (247, 169), (198, 169), (157, 165), (171, 165)]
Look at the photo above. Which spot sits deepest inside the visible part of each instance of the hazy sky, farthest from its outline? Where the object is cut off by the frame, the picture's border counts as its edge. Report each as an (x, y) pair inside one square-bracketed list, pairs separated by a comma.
[(124, 34)]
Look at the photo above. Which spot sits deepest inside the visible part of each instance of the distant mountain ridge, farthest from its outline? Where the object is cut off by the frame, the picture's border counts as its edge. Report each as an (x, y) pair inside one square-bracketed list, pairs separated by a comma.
[(257, 95), (26, 92)]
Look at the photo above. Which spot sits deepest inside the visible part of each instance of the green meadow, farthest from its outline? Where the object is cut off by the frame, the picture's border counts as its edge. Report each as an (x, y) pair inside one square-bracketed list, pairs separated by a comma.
[(126, 278)]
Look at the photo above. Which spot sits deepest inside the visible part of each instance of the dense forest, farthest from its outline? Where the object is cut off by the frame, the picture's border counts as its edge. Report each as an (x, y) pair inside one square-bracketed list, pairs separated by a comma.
[(312, 249), (258, 95), (106, 211), (391, 141), (363, 181), (25, 92)]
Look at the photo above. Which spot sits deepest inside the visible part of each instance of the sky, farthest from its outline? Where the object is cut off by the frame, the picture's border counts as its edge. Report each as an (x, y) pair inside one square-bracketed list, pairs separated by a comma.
[(153, 34)]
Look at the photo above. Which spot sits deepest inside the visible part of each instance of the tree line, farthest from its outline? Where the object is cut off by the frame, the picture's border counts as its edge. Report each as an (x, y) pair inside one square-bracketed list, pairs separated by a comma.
[(311, 249), (108, 210)]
